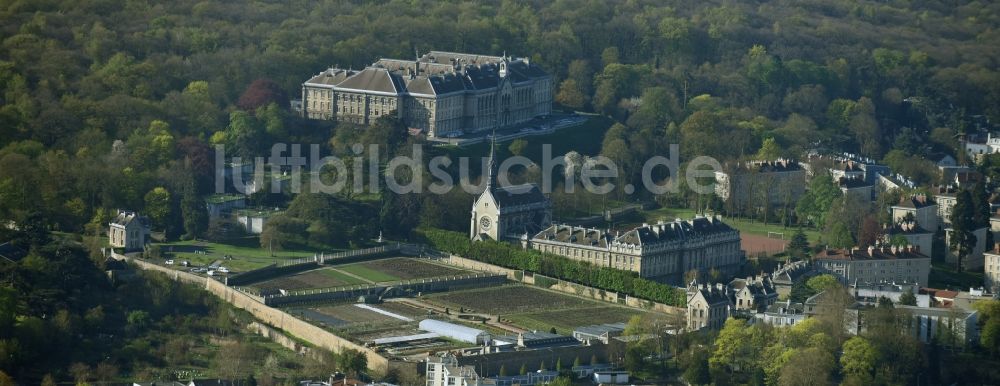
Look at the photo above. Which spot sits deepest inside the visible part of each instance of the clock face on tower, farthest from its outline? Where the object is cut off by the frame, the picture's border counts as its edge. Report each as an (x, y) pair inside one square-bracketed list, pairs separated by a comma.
[(485, 223)]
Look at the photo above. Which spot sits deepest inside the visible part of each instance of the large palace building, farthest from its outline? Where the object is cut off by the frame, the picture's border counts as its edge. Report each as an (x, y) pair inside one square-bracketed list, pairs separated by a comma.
[(664, 251), (441, 93)]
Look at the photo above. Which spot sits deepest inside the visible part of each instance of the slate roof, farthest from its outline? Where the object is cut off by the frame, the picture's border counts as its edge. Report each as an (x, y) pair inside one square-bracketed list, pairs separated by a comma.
[(916, 201), (906, 228), (776, 166), (871, 253), (676, 230), (126, 217), (373, 79), (433, 73), (331, 77), (576, 235), (851, 183), (713, 295), (789, 273), (518, 195)]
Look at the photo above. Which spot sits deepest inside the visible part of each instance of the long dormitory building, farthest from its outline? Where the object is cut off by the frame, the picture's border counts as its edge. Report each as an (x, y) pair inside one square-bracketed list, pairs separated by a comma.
[(664, 251)]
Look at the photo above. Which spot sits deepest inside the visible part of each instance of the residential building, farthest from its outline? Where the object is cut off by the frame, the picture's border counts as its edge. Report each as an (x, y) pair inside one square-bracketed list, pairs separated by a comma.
[(946, 197), (128, 230), (783, 313), (942, 160), (847, 169), (445, 371), (975, 259), (856, 186), (253, 220), (440, 93), (875, 265), (754, 294), (991, 269), (920, 208), (787, 274), (949, 327), (508, 212), (914, 234), (707, 306), (663, 251), (743, 186), (869, 294)]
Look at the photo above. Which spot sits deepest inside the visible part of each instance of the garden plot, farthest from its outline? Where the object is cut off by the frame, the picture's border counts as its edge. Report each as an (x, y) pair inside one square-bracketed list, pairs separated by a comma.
[(509, 299), (317, 278)]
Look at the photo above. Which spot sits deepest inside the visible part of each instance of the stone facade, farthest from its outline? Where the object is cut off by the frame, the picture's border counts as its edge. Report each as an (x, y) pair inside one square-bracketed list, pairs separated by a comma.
[(708, 306), (744, 186), (875, 265), (991, 269), (128, 230), (440, 93), (662, 251), (508, 212), (923, 210)]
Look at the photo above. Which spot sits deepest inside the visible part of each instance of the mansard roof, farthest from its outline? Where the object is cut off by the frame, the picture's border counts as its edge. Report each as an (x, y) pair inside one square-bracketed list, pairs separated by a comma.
[(331, 77), (676, 230), (373, 79), (433, 73)]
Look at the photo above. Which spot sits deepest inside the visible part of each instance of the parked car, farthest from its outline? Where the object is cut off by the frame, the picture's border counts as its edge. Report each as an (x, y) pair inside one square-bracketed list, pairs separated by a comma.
[(170, 262), (211, 273), (223, 270), (186, 263), (197, 270)]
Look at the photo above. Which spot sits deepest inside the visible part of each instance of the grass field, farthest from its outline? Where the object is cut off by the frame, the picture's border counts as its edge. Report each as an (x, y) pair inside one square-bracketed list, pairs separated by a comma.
[(943, 275), (319, 278), (246, 252), (565, 321)]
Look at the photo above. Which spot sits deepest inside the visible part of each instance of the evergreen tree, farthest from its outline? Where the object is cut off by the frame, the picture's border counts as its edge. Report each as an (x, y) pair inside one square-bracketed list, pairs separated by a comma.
[(981, 205), (963, 224), (798, 247), (908, 298), (193, 211)]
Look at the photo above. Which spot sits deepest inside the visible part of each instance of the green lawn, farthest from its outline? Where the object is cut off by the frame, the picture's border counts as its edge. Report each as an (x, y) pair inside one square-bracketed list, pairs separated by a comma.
[(246, 252), (367, 273), (943, 275)]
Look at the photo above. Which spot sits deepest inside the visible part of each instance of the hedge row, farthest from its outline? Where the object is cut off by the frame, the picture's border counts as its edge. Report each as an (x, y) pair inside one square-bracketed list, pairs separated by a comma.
[(510, 256)]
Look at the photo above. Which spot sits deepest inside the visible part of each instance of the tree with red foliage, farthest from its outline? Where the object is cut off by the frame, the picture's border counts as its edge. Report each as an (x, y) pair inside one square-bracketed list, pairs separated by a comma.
[(261, 93), (870, 232)]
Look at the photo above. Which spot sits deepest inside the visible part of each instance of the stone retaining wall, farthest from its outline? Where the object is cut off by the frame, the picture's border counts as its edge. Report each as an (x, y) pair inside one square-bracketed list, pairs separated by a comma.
[(271, 316)]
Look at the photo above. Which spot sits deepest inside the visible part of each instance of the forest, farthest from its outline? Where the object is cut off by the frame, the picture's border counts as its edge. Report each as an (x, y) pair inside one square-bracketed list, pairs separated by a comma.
[(105, 101), (108, 104)]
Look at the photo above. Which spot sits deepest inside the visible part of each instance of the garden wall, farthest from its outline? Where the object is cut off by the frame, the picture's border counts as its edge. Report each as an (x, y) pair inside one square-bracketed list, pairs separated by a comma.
[(272, 316), (566, 287)]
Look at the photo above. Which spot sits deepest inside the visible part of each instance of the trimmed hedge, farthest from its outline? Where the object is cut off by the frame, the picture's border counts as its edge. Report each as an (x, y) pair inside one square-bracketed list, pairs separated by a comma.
[(510, 256)]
